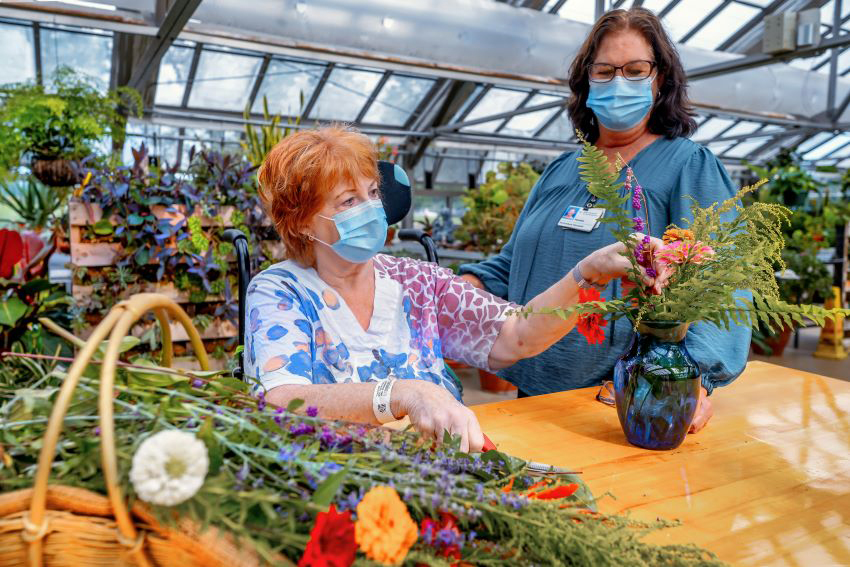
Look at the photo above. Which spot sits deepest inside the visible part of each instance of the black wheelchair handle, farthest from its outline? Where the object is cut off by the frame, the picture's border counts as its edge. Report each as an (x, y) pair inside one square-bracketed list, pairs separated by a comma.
[(233, 234), (417, 235)]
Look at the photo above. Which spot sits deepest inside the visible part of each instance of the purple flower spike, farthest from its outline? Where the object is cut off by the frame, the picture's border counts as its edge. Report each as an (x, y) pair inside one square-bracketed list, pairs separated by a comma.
[(636, 198), (312, 411), (197, 383), (650, 271), (639, 226), (302, 429)]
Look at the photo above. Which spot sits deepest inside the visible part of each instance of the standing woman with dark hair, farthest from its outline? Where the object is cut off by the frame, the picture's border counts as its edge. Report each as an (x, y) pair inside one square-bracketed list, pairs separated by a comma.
[(629, 98)]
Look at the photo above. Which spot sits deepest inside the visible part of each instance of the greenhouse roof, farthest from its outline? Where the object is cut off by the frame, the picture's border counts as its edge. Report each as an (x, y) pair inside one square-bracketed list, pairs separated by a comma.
[(439, 82)]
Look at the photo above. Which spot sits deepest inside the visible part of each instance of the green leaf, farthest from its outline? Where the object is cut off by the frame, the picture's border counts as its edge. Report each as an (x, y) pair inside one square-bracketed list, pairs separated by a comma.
[(135, 219), (102, 227), (142, 256), (11, 311), (126, 344), (326, 491), (294, 405)]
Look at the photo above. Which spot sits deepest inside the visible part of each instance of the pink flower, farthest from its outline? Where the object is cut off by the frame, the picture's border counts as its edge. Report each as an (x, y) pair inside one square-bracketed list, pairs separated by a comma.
[(684, 251)]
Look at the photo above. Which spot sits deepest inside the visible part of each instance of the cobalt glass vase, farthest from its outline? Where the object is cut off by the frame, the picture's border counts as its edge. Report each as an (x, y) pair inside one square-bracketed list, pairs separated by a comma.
[(656, 386)]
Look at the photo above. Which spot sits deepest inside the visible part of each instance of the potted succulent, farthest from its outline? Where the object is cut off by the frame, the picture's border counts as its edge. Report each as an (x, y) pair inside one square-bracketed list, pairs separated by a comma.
[(51, 128), (492, 210)]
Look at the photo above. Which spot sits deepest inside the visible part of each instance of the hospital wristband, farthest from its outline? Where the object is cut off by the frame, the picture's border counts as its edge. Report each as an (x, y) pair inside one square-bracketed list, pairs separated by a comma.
[(381, 401)]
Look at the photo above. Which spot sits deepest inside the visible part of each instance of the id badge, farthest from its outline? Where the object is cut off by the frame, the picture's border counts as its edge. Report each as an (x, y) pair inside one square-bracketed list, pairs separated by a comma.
[(581, 219)]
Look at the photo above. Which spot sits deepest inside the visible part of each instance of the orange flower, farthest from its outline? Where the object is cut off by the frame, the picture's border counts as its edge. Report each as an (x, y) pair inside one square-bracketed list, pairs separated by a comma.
[(384, 529), (675, 234)]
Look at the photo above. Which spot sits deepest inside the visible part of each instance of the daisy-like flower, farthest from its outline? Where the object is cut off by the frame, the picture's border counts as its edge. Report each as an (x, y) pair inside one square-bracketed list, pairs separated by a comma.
[(684, 251), (169, 467)]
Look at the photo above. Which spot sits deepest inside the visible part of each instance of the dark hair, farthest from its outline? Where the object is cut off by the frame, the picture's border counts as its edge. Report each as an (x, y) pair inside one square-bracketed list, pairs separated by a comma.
[(672, 114)]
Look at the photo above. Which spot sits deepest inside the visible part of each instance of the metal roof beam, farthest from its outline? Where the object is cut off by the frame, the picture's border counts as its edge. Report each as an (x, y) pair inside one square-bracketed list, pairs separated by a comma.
[(454, 126), (172, 24)]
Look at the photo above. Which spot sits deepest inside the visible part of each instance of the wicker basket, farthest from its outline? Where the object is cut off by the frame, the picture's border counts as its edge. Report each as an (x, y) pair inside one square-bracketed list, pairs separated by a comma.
[(56, 525)]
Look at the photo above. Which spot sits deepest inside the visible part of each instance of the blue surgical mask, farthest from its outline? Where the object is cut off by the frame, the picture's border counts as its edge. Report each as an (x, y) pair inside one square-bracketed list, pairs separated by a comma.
[(621, 104), (362, 231)]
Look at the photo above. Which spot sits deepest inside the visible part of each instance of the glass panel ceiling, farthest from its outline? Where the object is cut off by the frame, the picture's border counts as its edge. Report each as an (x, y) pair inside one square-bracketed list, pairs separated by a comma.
[(529, 124), (579, 10), (711, 128), (723, 25), (686, 15), (494, 102), (86, 53), (286, 84), (827, 147), (17, 52), (223, 80), (173, 74), (744, 149), (814, 141), (345, 93), (397, 100)]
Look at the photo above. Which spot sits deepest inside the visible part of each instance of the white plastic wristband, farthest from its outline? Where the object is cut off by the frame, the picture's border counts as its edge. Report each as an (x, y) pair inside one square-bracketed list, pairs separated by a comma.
[(381, 401)]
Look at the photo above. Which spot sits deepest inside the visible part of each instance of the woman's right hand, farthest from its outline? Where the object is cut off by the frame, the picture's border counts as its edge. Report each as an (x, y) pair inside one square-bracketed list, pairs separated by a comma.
[(433, 410), (611, 262)]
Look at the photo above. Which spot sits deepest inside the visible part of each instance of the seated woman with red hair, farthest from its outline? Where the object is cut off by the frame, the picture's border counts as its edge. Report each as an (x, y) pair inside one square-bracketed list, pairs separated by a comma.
[(362, 336)]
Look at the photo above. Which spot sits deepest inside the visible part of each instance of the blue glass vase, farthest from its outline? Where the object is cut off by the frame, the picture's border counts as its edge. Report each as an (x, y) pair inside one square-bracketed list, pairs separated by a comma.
[(656, 386)]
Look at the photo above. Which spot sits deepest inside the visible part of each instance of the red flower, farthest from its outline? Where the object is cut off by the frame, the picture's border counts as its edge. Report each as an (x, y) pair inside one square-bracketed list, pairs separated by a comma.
[(590, 325), (563, 491), (444, 536), (11, 252), (331, 541)]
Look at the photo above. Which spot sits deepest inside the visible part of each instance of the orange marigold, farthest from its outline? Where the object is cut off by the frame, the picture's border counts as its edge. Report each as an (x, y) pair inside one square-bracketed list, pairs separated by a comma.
[(384, 529), (674, 234)]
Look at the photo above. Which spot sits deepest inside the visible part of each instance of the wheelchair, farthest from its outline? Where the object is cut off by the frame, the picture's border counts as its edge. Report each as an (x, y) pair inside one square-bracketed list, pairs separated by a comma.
[(396, 196)]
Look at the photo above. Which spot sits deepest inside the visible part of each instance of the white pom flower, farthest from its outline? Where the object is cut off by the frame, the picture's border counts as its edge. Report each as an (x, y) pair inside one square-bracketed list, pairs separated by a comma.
[(169, 467)]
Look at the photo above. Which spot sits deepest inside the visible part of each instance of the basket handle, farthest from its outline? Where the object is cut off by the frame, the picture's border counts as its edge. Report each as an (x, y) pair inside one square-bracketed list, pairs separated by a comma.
[(117, 324)]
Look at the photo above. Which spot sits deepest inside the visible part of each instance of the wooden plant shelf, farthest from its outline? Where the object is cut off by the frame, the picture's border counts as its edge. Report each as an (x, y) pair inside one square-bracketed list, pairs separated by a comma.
[(99, 254)]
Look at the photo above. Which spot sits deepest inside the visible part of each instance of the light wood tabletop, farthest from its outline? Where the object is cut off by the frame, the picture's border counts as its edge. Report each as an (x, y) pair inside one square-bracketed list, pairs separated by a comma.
[(767, 482)]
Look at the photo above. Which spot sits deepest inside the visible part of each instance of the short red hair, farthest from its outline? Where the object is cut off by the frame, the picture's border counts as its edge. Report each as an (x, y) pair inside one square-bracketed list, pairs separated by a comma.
[(299, 173)]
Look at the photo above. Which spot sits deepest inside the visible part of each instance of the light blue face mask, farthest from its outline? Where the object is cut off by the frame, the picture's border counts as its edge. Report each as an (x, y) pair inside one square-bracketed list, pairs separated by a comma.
[(621, 104), (362, 231)]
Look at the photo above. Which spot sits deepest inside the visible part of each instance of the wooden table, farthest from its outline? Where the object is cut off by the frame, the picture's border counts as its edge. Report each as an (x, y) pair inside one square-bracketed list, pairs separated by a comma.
[(767, 482)]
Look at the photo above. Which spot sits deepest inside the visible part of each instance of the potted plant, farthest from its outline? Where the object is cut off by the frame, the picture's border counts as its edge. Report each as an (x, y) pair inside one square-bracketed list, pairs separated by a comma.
[(492, 210), (50, 128)]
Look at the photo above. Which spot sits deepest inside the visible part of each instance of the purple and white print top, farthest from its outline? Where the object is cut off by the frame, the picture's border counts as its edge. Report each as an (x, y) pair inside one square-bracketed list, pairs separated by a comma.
[(300, 331)]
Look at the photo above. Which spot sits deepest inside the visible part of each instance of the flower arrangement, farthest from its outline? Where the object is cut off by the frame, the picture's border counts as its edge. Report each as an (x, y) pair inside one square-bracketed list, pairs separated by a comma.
[(302, 490), (726, 248)]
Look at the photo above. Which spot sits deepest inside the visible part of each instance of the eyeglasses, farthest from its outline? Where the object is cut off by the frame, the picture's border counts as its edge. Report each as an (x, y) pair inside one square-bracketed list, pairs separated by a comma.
[(606, 393), (632, 71)]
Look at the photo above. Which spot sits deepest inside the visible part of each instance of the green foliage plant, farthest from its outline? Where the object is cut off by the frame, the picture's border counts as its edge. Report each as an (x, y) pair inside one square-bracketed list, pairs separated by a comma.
[(745, 251), (493, 208), (33, 203), (63, 119), (258, 143)]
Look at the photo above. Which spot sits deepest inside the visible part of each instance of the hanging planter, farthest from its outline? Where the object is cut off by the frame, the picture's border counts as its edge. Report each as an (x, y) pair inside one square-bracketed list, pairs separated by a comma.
[(55, 172)]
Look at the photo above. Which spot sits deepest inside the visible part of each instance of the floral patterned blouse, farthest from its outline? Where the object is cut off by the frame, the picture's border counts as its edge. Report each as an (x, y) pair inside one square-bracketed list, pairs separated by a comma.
[(300, 331)]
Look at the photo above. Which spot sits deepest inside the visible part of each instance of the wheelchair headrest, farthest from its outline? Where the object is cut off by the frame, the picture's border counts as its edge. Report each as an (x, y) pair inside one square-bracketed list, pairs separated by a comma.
[(395, 191)]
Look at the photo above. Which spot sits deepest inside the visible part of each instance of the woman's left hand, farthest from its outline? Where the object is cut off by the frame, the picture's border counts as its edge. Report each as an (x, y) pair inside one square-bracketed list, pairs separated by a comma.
[(703, 413)]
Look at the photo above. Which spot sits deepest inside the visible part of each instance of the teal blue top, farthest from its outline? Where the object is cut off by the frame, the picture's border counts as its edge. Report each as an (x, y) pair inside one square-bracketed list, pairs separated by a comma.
[(539, 253)]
